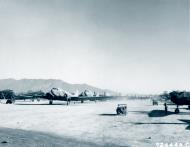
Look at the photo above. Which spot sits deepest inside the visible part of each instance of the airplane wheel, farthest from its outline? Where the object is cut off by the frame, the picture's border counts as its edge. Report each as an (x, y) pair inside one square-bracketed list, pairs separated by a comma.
[(118, 111), (176, 110), (82, 101), (50, 102)]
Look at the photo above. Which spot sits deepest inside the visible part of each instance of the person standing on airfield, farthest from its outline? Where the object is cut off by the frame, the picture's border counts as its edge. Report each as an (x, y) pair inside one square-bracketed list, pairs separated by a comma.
[(166, 108)]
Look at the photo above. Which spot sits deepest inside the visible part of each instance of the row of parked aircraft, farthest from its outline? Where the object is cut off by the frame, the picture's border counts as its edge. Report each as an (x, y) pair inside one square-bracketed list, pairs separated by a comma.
[(53, 95), (177, 98)]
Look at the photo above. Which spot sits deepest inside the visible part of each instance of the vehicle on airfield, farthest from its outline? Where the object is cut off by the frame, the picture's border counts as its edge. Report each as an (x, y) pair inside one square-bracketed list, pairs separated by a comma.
[(178, 98), (154, 102), (121, 109)]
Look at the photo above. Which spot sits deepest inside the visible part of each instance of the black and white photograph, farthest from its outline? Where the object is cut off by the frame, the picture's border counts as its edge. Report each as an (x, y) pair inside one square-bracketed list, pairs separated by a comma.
[(94, 73)]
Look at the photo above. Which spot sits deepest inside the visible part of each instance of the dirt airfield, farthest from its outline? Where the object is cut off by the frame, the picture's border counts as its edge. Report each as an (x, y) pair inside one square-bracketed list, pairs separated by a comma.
[(34, 124)]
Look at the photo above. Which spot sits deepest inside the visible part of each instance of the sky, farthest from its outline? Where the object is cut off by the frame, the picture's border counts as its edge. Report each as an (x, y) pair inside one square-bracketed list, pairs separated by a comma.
[(129, 46)]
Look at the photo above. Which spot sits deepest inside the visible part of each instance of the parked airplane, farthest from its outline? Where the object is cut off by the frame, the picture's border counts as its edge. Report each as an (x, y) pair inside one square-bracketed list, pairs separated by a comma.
[(90, 96), (58, 94), (179, 98), (10, 96), (7, 94), (87, 93), (62, 95)]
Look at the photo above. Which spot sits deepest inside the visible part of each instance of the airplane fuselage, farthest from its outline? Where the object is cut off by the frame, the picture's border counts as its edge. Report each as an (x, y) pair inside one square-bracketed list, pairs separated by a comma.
[(180, 98)]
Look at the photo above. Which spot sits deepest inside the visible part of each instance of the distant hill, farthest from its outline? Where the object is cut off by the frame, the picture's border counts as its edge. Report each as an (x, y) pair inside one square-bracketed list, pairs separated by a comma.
[(45, 85)]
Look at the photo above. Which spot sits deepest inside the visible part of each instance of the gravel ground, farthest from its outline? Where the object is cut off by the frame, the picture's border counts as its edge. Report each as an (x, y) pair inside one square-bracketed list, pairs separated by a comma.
[(92, 124)]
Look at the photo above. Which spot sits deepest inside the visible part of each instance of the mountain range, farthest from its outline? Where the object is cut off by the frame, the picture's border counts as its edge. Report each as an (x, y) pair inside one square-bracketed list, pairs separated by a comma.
[(45, 85)]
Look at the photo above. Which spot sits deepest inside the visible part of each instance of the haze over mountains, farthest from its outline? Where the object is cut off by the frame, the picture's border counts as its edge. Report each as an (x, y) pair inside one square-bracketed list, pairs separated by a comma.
[(45, 85)]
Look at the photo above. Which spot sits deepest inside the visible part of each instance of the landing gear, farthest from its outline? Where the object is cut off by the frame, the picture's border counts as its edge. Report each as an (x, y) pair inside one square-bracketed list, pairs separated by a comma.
[(9, 102), (50, 102), (68, 101), (82, 101), (177, 110), (188, 107)]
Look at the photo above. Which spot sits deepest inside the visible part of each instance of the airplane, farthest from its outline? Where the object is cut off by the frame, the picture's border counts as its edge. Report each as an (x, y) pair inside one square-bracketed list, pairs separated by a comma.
[(58, 94), (7, 94), (179, 98), (10, 96), (86, 93), (30, 95), (62, 95)]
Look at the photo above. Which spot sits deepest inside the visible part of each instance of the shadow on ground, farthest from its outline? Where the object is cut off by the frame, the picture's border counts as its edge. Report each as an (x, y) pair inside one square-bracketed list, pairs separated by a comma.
[(40, 104), (183, 122), (108, 114), (187, 122), (154, 113), (161, 113), (157, 123), (21, 138)]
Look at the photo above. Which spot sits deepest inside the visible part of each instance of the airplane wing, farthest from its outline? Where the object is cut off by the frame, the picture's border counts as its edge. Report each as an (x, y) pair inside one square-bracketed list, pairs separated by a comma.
[(29, 95), (94, 98)]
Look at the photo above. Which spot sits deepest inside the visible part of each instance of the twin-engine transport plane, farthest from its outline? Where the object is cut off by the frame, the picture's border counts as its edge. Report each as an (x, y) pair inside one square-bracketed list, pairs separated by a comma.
[(58, 94), (10, 96), (179, 98)]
